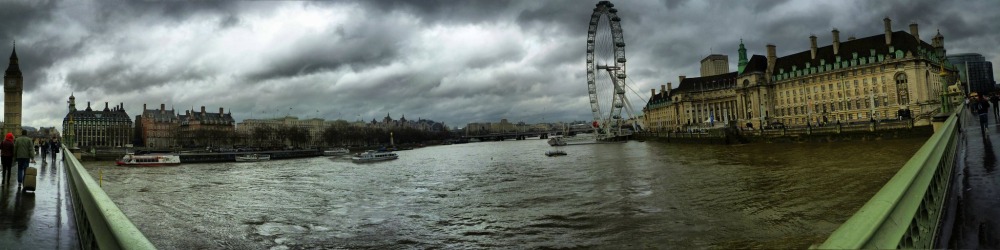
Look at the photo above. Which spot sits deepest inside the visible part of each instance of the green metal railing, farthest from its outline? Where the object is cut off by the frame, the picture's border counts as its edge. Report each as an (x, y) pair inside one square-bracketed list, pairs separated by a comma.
[(99, 222), (906, 212)]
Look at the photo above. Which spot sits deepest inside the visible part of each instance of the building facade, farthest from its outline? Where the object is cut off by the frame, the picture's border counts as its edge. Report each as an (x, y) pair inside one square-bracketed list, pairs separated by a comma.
[(714, 65), (206, 128), (13, 85), (856, 80), (976, 73), (108, 128), (157, 128)]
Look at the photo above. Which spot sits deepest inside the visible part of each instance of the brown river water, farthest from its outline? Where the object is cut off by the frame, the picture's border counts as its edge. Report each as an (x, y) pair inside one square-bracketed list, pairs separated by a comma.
[(510, 195)]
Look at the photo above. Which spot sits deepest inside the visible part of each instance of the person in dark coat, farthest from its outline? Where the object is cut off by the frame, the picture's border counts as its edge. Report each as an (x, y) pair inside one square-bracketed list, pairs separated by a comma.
[(996, 106), (23, 154), (983, 109), (7, 155)]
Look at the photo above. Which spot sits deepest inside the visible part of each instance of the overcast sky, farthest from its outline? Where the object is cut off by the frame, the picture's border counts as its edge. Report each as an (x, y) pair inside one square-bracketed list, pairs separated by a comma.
[(450, 61)]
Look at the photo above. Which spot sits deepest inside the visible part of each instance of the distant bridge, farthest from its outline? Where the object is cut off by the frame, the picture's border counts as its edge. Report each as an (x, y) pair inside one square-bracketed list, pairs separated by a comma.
[(526, 134)]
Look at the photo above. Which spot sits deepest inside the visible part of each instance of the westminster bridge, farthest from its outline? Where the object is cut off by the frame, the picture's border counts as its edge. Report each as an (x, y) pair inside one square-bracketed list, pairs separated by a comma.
[(943, 197)]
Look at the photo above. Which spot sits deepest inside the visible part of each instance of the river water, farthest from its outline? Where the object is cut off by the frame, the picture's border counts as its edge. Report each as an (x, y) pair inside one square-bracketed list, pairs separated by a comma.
[(510, 195)]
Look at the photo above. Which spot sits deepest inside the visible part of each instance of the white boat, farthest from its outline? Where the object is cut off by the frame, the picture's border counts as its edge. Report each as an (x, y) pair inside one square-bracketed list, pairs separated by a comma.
[(336, 151), (253, 157), (556, 141), (372, 155), (555, 153), (131, 159)]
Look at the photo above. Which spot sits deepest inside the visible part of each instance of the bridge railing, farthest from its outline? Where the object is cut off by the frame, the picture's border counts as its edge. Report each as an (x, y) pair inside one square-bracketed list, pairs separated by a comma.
[(99, 222), (906, 212)]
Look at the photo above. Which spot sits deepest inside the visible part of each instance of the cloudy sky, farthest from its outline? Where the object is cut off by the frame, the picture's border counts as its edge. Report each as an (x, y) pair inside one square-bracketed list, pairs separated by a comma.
[(450, 61)]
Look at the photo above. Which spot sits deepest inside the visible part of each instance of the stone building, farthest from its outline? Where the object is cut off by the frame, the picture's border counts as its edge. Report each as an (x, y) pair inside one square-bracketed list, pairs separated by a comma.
[(714, 65), (157, 128), (206, 128), (13, 86), (108, 128), (847, 81)]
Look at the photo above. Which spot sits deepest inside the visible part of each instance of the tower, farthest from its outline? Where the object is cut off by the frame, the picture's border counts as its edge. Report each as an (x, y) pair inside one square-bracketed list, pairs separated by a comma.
[(743, 57), (13, 85), (72, 103)]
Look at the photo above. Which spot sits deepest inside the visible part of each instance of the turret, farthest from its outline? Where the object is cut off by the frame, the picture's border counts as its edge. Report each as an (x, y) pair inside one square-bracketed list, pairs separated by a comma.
[(743, 58)]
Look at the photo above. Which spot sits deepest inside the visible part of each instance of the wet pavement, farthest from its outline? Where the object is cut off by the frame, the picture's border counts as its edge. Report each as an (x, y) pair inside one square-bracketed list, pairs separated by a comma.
[(38, 220), (977, 217)]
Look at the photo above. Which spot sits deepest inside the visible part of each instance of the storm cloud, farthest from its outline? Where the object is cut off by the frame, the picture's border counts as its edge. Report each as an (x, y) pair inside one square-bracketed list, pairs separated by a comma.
[(450, 61)]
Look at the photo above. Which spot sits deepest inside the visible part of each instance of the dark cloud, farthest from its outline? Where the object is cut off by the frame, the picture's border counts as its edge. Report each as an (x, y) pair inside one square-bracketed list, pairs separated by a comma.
[(452, 61)]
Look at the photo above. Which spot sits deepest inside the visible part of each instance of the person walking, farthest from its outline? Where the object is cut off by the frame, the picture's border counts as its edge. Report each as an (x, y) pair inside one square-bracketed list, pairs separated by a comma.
[(7, 155), (982, 108), (995, 99), (23, 154)]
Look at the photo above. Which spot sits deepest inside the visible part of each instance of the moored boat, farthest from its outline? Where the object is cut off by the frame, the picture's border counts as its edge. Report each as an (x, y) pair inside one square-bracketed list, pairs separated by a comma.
[(555, 153), (336, 151), (131, 159), (372, 155), (253, 157), (556, 141)]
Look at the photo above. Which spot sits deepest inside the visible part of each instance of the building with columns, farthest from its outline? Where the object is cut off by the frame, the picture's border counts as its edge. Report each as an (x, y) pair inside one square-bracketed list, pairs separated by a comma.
[(847, 81), (13, 86)]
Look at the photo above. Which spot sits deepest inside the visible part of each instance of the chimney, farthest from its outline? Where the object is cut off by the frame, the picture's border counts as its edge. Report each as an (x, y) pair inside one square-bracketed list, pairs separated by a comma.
[(202, 110), (652, 93), (772, 58), (836, 41), (143, 107), (220, 111), (121, 106), (680, 78), (163, 107), (105, 105), (670, 86), (888, 31), (812, 46), (913, 31)]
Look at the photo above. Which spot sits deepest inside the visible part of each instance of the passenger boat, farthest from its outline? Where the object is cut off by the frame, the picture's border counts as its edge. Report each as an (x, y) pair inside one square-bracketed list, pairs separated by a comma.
[(253, 157), (556, 141), (130, 159), (555, 153), (372, 155), (336, 151)]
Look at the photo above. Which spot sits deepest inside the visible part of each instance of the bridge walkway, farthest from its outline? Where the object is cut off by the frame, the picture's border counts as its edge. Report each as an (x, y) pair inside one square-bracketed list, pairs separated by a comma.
[(977, 182), (40, 220)]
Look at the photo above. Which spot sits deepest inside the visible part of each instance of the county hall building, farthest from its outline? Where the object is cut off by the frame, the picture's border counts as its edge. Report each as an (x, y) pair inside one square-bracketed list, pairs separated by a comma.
[(864, 79)]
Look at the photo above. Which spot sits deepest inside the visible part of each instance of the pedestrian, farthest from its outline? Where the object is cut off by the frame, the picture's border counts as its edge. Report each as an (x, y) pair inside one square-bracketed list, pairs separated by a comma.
[(995, 99), (7, 155), (23, 155), (982, 108)]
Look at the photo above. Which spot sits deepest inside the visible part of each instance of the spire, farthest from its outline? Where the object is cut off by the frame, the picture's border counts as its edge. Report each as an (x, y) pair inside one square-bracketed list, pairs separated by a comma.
[(743, 57), (12, 68)]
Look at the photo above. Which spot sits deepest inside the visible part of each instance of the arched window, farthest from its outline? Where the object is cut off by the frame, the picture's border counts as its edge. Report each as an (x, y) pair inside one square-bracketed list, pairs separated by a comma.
[(903, 94)]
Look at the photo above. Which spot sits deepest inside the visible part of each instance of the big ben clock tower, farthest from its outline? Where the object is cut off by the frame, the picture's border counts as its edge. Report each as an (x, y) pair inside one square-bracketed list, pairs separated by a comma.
[(13, 85)]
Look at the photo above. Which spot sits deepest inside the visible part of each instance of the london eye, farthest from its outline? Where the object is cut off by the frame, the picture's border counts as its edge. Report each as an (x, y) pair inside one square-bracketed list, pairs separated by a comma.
[(606, 70)]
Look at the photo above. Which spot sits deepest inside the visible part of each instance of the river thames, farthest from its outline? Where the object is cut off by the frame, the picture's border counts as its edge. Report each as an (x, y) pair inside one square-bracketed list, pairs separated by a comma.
[(510, 195)]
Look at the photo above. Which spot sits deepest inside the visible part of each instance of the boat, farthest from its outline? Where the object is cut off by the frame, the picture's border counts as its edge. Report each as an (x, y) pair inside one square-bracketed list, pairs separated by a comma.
[(253, 157), (131, 159), (336, 151), (555, 153), (372, 155), (556, 141)]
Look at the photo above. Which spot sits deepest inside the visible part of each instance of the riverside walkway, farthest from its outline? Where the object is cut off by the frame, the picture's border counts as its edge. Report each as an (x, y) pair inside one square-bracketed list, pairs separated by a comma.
[(40, 220)]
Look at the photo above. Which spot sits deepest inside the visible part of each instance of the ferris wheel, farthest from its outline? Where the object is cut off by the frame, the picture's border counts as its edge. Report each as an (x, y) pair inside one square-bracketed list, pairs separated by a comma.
[(606, 70)]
